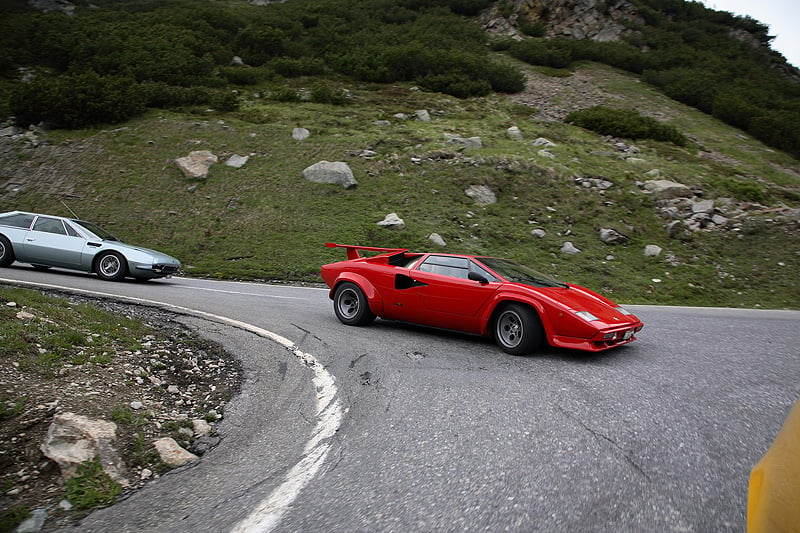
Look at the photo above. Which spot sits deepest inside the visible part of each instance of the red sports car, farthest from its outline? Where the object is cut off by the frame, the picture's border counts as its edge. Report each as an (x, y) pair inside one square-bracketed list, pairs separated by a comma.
[(488, 296)]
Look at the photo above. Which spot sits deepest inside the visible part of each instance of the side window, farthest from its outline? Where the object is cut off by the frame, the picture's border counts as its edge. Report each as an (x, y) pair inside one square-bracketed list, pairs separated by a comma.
[(49, 225), (473, 267), (71, 231), (456, 267), (20, 220)]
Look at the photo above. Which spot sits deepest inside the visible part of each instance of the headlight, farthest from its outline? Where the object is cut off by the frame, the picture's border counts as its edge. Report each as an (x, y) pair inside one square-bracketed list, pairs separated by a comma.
[(587, 316), (622, 310)]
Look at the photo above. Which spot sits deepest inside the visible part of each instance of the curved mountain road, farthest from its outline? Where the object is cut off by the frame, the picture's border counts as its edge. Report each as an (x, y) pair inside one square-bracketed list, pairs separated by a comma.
[(397, 428)]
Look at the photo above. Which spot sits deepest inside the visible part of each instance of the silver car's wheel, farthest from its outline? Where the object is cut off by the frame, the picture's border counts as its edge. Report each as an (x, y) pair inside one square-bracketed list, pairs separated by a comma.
[(6, 252), (351, 305), (517, 329), (111, 266)]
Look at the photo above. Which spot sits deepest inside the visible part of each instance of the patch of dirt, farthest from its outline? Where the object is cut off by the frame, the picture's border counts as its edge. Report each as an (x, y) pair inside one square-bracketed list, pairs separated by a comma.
[(203, 378)]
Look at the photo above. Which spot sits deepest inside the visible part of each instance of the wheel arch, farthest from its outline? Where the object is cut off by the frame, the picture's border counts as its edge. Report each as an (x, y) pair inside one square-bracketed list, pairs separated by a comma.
[(503, 300), (373, 296)]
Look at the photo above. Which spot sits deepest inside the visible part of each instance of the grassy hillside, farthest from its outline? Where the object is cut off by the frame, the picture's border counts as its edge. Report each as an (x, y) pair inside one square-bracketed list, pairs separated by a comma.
[(264, 221)]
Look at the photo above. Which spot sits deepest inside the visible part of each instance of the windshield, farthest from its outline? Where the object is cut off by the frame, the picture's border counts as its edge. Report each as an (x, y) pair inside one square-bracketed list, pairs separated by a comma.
[(515, 272), (95, 230)]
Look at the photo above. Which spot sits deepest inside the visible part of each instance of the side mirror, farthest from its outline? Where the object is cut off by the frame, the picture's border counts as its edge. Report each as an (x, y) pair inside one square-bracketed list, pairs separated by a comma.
[(480, 278)]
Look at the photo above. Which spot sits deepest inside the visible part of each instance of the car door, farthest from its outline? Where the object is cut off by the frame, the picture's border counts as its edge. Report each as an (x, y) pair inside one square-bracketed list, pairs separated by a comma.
[(440, 293), (50, 242)]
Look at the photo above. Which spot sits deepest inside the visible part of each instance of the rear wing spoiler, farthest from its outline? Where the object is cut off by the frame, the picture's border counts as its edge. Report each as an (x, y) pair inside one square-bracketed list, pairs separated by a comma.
[(352, 251)]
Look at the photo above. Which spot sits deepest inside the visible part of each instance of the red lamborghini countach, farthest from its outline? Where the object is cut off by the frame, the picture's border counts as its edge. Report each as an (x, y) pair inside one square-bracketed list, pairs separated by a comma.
[(488, 296)]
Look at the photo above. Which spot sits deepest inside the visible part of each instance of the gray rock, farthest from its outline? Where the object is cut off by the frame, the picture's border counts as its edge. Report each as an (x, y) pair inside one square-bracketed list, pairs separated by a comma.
[(35, 522), (300, 134), (703, 206), (482, 194), (541, 141), (237, 161), (197, 164), (651, 250), (666, 189), (172, 454), (437, 239), (569, 248), (392, 221), (74, 439), (515, 133), (539, 233), (336, 172), (611, 236), (423, 115)]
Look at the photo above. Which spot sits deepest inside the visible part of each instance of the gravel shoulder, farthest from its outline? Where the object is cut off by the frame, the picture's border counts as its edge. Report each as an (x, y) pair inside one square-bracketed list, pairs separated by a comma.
[(153, 392)]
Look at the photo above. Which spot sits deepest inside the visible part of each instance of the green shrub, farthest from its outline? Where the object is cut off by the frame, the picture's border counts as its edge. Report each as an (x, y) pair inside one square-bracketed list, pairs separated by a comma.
[(543, 53), (77, 100), (293, 67), (456, 84), (92, 487), (322, 93), (243, 75), (625, 123)]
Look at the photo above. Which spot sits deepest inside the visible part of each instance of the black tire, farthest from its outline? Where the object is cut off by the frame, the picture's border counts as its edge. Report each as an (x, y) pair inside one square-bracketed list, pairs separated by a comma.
[(517, 329), (351, 305), (6, 252), (111, 266)]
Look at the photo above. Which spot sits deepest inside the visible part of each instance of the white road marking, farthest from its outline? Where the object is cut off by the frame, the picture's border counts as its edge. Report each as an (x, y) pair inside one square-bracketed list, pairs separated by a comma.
[(192, 287), (330, 413)]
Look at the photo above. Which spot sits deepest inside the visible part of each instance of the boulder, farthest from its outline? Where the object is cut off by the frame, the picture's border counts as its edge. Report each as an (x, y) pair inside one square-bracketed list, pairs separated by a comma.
[(569, 248), (196, 164), (611, 236), (539, 233), (300, 134), (437, 239), (392, 221), (515, 133), (482, 194), (423, 115), (73, 439), (237, 161), (666, 189), (651, 250), (335, 172)]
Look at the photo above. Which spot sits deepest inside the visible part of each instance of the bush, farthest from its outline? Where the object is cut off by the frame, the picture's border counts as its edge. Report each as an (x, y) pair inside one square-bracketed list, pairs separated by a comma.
[(292, 68), (92, 487), (542, 53), (628, 124), (456, 84), (322, 93), (77, 100)]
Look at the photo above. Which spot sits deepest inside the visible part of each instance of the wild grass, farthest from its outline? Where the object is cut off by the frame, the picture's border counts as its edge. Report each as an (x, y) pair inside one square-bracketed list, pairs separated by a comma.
[(265, 222)]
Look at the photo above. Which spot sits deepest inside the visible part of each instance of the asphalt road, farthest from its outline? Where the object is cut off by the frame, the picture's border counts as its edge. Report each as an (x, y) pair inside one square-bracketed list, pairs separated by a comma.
[(398, 428)]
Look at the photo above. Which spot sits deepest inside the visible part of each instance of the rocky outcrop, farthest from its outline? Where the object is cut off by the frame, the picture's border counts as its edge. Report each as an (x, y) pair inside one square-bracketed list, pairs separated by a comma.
[(597, 20)]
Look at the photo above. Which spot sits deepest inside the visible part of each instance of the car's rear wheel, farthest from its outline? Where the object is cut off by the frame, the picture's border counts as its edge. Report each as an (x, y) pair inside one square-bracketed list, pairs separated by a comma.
[(6, 252), (518, 329), (111, 266), (351, 305)]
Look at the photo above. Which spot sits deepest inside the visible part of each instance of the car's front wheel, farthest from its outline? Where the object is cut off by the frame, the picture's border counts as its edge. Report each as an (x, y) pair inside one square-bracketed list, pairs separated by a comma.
[(351, 305), (6, 252), (518, 329), (111, 266)]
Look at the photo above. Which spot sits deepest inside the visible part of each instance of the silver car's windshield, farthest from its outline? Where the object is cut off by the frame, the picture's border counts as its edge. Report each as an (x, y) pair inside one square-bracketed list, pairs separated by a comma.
[(95, 230), (519, 273)]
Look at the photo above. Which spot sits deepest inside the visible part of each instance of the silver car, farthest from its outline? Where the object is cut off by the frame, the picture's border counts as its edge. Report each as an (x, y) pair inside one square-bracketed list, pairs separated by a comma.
[(49, 241)]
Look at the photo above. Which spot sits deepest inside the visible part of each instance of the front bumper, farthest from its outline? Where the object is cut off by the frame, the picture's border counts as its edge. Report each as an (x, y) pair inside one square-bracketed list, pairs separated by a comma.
[(158, 270), (602, 340)]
